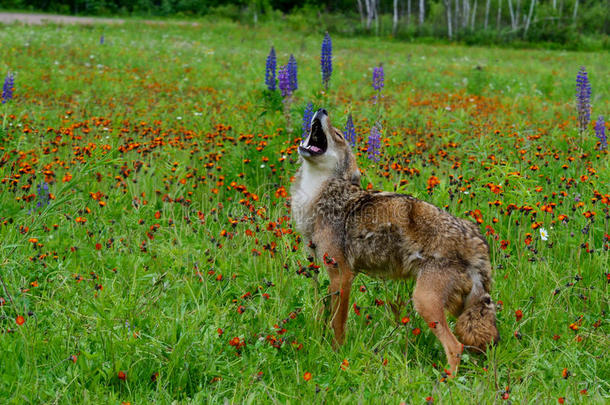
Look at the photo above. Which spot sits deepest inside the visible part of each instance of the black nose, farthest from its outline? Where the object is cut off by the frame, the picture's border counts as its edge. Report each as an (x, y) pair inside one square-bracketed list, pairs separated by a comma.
[(322, 111)]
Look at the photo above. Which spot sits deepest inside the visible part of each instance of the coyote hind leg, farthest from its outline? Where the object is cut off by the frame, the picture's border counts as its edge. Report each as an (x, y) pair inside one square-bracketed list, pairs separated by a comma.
[(429, 299)]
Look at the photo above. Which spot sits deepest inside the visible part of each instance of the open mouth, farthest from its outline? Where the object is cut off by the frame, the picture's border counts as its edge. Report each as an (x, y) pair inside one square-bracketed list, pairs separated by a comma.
[(315, 144)]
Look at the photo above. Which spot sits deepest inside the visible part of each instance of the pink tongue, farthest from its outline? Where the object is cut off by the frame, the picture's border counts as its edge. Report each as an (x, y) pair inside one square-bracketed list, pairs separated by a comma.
[(314, 149)]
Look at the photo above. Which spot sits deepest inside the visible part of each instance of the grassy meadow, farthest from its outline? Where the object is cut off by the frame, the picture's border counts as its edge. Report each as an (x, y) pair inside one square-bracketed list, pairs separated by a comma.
[(163, 267)]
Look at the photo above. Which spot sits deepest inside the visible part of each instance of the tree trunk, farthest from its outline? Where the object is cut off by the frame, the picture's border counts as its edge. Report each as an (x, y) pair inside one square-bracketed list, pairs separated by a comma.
[(422, 12), (376, 16), (529, 17), (395, 18), (513, 23), (408, 12), (465, 13), (361, 12), (487, 12), (448, 11), (369, 15), (499, 20), (456, 17), (474, 15), (518, 12), (554, 4)]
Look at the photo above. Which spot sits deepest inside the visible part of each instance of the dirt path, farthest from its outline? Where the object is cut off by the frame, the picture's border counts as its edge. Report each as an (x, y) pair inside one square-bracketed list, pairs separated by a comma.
[(37, 19)]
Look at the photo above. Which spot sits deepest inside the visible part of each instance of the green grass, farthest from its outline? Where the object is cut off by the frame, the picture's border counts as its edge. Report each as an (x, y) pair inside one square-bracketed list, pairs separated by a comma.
[(170, 124)]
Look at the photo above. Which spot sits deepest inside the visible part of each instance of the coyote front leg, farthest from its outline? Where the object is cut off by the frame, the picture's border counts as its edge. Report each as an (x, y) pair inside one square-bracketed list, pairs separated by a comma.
[(341, 277)]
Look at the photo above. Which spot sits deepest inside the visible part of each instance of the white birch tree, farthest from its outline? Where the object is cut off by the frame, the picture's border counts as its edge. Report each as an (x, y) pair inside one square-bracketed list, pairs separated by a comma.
[(499, 19), (395, 18), (529, 17), (448, 12)]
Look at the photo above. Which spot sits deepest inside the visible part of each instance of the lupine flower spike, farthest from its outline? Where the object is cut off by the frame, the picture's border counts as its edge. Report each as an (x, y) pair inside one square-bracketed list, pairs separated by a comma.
[(102, 40), (7, 89), (326, 62), (270, 70), (283, 76), (292, 73), (378, 77), (350, 131), (600, 132), (307, 116), (44, 197), (374, 142), (583, 99)]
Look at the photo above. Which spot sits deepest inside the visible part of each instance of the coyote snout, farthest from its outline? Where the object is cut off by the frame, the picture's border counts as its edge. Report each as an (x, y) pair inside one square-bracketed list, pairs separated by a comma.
[(391, 235)]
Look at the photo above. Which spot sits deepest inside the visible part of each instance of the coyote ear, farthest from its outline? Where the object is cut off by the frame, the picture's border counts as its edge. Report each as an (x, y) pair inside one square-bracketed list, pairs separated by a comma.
[(355, 180)]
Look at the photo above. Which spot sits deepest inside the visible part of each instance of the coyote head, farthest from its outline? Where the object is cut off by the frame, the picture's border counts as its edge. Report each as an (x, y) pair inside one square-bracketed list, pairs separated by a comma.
[(326, 151), (476, 326)]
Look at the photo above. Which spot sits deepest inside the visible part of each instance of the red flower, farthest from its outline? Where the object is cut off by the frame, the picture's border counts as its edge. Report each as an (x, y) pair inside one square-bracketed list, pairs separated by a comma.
[(405, 320), (122, 376), (416, 331), (98, 246), (518, 315), (20, 320), (307, 376)]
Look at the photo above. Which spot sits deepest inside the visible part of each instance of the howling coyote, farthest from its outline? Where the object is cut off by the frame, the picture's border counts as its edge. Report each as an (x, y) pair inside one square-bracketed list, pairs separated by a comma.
[(390, 235)]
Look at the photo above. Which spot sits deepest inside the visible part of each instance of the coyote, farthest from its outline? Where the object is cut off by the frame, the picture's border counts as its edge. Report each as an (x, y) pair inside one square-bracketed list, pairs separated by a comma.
[(392, 236)]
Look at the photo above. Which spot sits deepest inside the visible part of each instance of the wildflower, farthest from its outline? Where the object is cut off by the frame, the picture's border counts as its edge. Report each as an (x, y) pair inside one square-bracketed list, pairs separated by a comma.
[(583, 98), (122, 376), (344, 364), (102, 40), (43, 195), (600, 132), (283, 76), (518, 315), (270, 70), (350, 131), (544, 235), (326, 62), (20, 320), (307, 376), (307, 116), (378, 77), (374, 142), (292, 73), (7, 89)]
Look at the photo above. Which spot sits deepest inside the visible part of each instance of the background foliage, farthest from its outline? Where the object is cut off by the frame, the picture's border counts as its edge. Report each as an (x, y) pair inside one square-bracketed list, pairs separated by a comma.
[(575, 24)]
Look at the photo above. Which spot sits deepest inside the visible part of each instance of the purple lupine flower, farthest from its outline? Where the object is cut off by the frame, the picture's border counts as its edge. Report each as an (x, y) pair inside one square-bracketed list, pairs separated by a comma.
[(270, 70), (350, 131), (326, 60), (600, 132), (307, 116), (378, 77), (7, 89), (283, 76), (583, 98), (374, 141), (292, 73), (43, 195), (102, 40)]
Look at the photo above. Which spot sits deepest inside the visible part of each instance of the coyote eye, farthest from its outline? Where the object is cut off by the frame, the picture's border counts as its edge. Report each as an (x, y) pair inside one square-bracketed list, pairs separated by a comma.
[(487, 300)]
